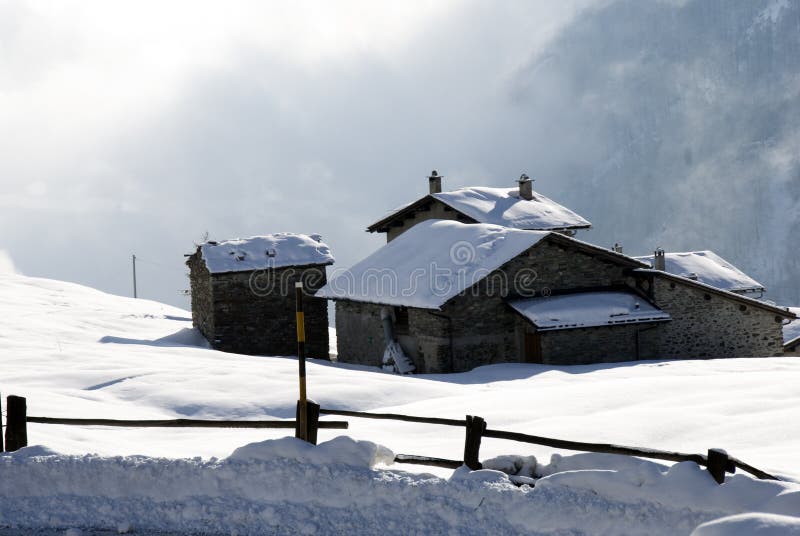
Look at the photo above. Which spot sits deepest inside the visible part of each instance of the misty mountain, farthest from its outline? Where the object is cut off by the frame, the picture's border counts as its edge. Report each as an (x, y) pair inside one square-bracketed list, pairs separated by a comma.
[(676, 124)]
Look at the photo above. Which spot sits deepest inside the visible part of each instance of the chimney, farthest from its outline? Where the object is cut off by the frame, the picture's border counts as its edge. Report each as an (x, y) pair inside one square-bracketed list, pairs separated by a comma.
[(617, 247), (659, 260), (435, 182), (525, 187)]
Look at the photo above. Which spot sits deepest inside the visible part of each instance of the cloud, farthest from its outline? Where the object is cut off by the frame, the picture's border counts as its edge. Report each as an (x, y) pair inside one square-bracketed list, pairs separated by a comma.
[(156, 124), (136, 127)]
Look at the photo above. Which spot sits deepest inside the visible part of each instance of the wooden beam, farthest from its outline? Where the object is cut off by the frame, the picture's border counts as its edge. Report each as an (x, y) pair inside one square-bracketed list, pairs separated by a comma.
[(425, 460), (181, 423), (393, 417)]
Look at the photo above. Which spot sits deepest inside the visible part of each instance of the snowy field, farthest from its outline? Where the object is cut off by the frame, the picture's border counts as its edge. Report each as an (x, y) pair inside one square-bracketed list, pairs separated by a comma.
[(76, 352)]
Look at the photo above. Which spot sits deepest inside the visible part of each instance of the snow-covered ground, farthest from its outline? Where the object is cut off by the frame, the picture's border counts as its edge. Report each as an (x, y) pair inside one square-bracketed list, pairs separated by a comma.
[(76, 352)]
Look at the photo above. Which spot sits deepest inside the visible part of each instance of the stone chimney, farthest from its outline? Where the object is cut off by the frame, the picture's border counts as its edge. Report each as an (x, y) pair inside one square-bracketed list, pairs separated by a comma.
[(617, 247), (435, 182), (525, 187), (660, 260)]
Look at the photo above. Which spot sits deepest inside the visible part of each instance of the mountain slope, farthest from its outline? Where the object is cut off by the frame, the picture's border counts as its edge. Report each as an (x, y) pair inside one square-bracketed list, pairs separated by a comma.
[(677, 124)]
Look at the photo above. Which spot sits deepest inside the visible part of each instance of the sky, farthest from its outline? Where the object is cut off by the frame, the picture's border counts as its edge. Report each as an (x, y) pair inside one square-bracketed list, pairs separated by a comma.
[(143, 127), (138, 127)]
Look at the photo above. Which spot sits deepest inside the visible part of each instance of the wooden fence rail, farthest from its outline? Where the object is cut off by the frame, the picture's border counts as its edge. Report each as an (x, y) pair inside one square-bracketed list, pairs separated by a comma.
[(181, 423), (717, 461)]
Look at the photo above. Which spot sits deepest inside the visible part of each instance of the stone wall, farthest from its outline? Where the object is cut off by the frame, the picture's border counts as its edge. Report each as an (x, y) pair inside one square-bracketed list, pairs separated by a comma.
[(359, 333), (202, 298), (604, 344), (707, 325), (259, 323)]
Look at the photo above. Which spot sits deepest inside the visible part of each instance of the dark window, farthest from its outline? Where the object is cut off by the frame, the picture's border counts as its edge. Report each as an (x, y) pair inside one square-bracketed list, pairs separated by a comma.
[(401, 319)]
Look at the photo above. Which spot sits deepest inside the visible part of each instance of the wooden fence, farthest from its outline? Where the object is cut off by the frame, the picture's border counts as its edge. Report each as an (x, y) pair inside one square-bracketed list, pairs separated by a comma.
[(717, 461)]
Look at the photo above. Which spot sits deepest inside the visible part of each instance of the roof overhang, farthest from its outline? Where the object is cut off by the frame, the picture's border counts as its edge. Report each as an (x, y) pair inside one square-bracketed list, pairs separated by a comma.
[(604, 308)]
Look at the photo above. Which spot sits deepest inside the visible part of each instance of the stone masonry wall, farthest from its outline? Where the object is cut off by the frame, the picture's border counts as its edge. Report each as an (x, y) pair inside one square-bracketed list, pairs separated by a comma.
[(707, 325), (202, 299), (234, 318), (606, 344), (359, 333)]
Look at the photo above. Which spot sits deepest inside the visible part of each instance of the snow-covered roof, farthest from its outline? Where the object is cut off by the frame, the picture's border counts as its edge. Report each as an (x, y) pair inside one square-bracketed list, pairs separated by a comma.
[(430, 263), (277, 250), (588, 309), (709, 268), (791, 331), (501, 206), (504, 206)]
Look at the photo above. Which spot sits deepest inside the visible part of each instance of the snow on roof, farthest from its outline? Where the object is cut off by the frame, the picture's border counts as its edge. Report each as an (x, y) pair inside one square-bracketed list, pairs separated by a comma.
[(791, 331), (504, 206), (709, 268), (588, 309), (430, 263), (277, 250)]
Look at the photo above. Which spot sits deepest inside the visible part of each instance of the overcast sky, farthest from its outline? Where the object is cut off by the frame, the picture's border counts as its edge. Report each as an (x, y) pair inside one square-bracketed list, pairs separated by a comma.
[(136, 127)]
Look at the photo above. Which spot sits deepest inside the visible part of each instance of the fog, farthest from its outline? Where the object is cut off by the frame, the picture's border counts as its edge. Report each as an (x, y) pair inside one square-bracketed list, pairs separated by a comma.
[(130, 129)]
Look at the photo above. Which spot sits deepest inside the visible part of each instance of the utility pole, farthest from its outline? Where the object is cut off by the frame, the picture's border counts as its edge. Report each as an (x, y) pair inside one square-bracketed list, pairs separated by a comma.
[(134, 276)]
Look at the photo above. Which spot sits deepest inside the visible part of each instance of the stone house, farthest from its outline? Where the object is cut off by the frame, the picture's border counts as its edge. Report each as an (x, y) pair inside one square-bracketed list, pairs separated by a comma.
[(243, 293), (464, 295), (516, 208)]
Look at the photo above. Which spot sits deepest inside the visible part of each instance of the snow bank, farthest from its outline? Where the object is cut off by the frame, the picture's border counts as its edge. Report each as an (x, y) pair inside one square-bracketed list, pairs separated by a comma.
[(338, 450), (261, 252), (52, 354), (750, 525), (430, 263), (289, 487)]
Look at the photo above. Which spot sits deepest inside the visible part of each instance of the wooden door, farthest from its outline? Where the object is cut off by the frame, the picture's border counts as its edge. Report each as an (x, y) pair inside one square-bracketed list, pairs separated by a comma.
[(533, 347)]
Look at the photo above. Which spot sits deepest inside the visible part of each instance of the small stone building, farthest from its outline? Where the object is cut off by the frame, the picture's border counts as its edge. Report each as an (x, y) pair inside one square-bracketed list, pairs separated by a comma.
[(464, 295), (517, 208), (243, 293)]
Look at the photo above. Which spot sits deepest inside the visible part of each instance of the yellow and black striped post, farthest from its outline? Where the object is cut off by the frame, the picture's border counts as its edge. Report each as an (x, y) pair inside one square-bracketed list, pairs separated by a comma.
[(301, 430)]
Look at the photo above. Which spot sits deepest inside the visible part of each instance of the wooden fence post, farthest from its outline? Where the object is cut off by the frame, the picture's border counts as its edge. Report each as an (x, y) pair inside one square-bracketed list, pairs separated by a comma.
[(16, 423), (301, 430), (719, 463), (472, 443), (312, 419)]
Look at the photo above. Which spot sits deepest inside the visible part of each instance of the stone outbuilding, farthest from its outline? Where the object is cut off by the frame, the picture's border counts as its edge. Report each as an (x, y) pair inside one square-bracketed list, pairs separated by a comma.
[(243, 293), (464, 295), (516, 208)]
